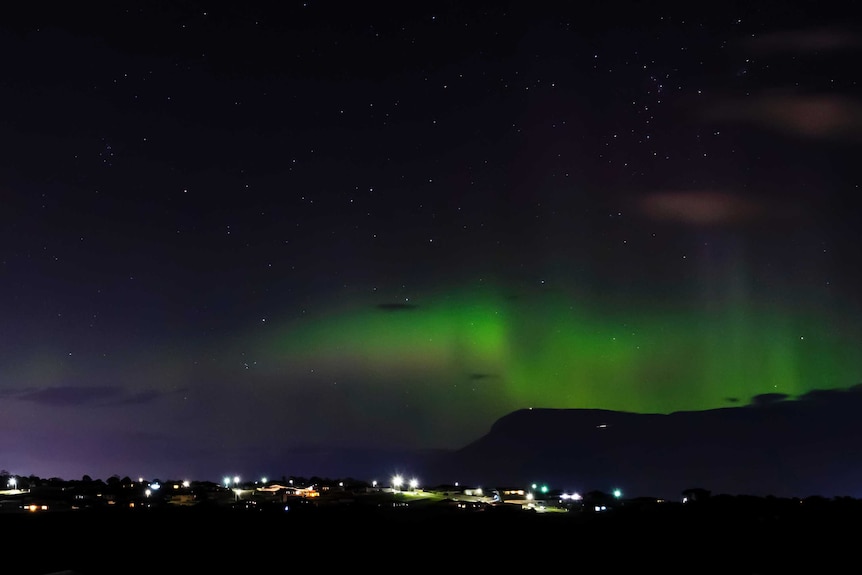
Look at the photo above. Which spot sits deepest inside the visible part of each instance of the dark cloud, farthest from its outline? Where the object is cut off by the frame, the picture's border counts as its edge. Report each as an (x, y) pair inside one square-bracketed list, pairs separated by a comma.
[(831, 394), (768, 398), (84, 395), (139, 398), (396, 306)]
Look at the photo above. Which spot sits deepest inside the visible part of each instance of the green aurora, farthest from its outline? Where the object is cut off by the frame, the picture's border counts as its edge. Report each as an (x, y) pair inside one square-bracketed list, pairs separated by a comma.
[(547, 351)]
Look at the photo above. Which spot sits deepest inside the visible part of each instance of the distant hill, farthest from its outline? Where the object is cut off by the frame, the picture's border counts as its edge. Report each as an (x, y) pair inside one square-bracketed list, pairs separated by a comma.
[(775, 446)]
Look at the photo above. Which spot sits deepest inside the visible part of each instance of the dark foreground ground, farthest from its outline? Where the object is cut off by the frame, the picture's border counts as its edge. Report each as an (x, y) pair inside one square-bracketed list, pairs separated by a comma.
[(754, 537)]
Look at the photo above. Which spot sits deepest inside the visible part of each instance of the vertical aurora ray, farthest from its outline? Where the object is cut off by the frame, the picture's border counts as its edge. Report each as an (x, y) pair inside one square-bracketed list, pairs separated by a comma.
[(689, 359)]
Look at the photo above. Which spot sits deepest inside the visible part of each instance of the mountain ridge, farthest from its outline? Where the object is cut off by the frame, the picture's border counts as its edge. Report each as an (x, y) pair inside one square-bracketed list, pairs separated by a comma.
[(773, 446)]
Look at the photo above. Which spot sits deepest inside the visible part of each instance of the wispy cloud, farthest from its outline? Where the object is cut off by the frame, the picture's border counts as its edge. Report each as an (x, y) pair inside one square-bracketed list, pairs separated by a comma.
[(814, 40), (808, 115), (699, 207)]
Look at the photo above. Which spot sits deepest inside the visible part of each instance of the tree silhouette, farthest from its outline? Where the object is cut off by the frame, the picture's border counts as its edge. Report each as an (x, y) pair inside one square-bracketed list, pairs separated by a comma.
[(696, 494)]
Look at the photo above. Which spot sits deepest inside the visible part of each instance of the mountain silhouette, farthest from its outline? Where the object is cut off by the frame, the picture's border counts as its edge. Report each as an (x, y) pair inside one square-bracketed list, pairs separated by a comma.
[(775, 446)]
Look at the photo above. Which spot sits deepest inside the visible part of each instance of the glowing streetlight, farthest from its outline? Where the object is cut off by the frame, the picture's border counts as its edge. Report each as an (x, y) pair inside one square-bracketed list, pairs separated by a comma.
[(618, 493), (414, 483), (13, 482), (397, 481)]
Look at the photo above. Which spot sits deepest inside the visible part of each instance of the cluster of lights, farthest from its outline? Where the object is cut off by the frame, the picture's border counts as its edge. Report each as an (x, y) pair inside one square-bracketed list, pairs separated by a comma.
[(398, 481)]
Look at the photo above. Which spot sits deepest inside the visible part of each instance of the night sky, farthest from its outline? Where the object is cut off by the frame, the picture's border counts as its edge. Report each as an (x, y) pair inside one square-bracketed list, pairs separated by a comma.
[(230, 229)]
